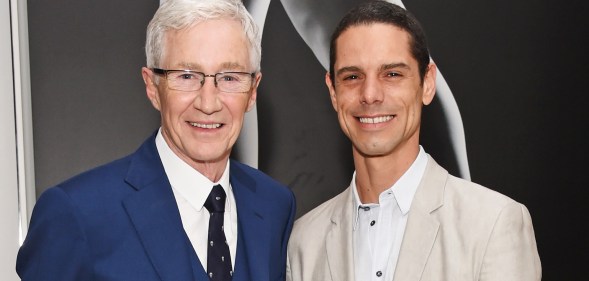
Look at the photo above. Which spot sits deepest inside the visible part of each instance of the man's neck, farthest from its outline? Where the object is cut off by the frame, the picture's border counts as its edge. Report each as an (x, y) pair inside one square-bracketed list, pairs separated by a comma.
[(213, 169), (377, 174)]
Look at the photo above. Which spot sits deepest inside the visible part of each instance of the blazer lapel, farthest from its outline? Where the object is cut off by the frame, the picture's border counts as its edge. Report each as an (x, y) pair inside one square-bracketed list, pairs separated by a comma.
[(154, 214), (338, 241), (252, 232), (422, 228)]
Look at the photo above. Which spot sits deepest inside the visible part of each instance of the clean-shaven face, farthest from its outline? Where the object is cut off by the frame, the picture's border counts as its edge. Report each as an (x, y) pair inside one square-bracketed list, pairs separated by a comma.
[(378, 93), (202, 126)]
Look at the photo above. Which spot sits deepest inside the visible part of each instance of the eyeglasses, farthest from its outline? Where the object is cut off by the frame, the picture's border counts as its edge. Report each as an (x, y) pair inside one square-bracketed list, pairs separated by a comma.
[(189, 81)]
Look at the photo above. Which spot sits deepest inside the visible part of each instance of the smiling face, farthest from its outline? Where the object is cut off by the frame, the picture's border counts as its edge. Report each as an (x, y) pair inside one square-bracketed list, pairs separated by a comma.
[(378, 94), (202, 126)]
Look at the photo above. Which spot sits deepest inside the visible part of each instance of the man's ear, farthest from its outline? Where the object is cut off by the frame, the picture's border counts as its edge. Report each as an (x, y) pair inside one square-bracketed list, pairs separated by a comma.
[(151, 87), (254, 93), (331, 88), (429, 84)]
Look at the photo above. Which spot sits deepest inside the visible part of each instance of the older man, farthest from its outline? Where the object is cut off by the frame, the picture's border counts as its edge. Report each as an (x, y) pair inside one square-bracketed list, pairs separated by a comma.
[(178, 208)]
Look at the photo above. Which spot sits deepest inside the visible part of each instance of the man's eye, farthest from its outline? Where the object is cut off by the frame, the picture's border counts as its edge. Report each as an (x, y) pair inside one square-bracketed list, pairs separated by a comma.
[(231, 77), (184, 76), (228, 78), (351, 77), (187, 76), (392, 74)]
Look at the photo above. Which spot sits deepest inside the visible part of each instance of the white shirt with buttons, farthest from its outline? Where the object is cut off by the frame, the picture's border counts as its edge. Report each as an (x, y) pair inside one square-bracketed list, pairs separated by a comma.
[(379, 227)]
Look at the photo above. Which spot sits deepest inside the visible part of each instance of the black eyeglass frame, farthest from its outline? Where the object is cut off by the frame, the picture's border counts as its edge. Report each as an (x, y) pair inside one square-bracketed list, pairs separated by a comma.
[(164, 72)]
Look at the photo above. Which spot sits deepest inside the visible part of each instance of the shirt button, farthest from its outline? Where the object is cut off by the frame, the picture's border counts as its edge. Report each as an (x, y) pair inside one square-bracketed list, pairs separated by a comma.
[(371, 224), (379, 273)]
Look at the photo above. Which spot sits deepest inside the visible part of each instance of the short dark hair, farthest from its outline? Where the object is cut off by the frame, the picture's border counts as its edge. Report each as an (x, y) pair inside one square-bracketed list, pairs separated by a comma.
[(383, 12)]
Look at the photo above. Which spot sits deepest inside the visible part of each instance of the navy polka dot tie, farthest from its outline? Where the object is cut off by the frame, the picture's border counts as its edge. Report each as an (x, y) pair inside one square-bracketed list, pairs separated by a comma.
[(218, 256)]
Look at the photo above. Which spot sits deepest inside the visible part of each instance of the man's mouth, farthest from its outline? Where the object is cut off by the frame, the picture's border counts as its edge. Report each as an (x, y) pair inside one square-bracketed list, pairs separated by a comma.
[(375, 120), (205, 126)]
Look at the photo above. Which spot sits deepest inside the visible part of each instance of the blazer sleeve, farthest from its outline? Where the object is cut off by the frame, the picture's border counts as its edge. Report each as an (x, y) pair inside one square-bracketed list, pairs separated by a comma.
[(511, 252), (287, 233), (55, 247), (288, 271)]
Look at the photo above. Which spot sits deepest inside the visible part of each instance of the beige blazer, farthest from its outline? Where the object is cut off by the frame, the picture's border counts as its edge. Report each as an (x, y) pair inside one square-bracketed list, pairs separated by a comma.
[(456, 230)]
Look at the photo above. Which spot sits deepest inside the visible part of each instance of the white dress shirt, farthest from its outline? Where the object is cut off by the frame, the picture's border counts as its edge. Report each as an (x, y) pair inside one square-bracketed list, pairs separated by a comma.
[(191, 190), (379, 227)]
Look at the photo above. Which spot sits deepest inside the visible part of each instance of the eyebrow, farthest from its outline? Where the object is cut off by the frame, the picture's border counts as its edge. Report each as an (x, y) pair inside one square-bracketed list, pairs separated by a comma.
[(394, 65), (347, 69), (232, 65), (382, 67), (188, 66), (196, 66)]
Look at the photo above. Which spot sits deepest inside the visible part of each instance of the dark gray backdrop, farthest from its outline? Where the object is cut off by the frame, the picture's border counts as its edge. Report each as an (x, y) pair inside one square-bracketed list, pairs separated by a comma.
[(516, 69)]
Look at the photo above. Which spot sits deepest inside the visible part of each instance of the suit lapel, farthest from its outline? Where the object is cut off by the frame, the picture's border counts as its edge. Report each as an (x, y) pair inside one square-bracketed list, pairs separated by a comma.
[(154, 214), (338, 241), (422, 228), (419, 238), (252, 232)]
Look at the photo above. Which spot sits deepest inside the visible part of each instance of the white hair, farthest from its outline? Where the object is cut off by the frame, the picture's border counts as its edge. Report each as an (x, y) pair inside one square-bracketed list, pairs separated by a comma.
[(181, 14)]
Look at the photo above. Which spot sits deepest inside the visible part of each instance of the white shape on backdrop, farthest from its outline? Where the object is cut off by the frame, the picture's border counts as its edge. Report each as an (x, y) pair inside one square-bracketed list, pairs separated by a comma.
[(247, 143)]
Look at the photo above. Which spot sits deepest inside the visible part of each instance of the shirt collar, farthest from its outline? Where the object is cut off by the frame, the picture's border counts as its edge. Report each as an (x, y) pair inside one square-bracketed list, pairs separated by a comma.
[(404, 189), (185, 180)]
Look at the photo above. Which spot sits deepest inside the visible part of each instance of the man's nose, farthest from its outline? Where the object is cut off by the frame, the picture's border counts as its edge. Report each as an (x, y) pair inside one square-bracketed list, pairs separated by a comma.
[(372, 91), (207, 99)]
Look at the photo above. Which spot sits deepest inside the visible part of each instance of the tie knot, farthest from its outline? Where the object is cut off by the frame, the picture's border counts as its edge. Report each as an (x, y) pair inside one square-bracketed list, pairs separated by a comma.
[(215, 203)]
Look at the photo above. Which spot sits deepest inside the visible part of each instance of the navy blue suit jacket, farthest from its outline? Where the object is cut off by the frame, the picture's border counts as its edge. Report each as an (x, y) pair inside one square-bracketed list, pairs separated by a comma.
[(120, 221)]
